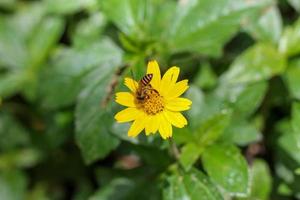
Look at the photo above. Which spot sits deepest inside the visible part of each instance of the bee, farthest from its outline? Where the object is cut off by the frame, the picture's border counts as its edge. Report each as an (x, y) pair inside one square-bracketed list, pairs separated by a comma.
[(144, 87)]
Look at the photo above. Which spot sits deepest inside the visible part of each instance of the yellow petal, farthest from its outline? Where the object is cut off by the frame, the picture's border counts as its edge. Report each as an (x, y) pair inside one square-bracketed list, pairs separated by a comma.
[(178, 89), (178, 104), (125, 99), (131, 84), (165, 127), (137, 126), (153, 68), (151, 125), (175, 118), (128, 115), (168, 80)]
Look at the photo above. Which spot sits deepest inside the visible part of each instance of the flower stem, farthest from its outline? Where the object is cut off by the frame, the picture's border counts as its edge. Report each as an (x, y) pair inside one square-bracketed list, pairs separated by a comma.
[(174, 149)]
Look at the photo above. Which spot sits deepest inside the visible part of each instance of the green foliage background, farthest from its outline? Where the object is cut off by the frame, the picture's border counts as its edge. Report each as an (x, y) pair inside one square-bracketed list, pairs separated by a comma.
[(62, 60)]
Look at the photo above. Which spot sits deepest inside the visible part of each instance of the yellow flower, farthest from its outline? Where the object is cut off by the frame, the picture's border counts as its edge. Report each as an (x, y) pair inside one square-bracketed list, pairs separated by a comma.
[(160, 109)]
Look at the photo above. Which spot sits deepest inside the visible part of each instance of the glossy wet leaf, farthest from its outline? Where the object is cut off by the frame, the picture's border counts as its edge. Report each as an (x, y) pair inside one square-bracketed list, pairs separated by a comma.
[(190, 154), (212, 129), (191, 185), (241, 132), (240, 95), (62, 61), (266, 26), (228, 168), (128, 15), (260, 62), (195, 22), (261, 182), (250, 98), (93, 109)]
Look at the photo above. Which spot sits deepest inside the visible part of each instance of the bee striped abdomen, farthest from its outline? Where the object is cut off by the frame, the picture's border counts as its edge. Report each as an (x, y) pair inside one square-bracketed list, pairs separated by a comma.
[(146, 79)]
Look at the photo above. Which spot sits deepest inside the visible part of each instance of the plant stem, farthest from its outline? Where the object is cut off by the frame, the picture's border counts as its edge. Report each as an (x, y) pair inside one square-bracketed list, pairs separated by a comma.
[(173, 148)]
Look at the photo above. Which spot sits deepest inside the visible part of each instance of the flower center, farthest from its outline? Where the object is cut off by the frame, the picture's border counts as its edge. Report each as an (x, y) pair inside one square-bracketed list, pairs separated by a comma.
[(152, 102)]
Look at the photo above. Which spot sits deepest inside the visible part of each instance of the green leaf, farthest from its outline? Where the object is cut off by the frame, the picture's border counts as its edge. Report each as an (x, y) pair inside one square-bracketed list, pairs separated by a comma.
[(260, 62), (38, 192), (297, 171), (15, 33), (228, 168), (8, 3), (11, 83), (12, 133), (261, 180), (27, 48), (143, 23), (189, 155), (296, 117), (68, 7), (39, 47), (295, 4), (206, 106), (13, 53), (290, 39), (284, 190), (89, 30), (289, 140), (206, 134), (27, 19), (122, 188), (292, 78), (128, 15), (250, 98), (284, 172), (68, 67), (13, 185), (93, 118), (195, 23), (118, 189), (240, 95), (191, 185), (267, 26), (197, 97), (212, 129), (43, 40), (261, 183), (206, 78), (26, 157), (241, 132)]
